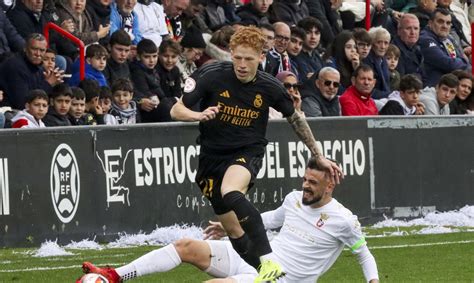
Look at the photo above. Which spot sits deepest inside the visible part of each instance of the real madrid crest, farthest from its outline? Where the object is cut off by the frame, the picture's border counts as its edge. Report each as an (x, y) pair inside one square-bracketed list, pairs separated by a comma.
[(258, 101)]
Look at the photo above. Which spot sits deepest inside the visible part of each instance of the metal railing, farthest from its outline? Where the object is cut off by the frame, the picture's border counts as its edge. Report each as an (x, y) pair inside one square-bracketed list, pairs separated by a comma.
[(82, 65)]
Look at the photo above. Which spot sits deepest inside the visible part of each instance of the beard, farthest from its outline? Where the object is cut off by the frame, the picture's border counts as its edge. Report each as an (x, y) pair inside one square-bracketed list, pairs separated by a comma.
[(312, 200)]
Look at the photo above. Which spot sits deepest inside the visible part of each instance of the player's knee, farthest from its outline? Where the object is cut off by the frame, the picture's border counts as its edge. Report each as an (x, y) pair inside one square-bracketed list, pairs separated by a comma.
[(183, 247)]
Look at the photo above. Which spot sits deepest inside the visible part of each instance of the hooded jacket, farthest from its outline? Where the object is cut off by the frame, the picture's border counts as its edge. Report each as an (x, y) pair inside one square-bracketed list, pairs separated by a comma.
[(24, 119), (396, 106)]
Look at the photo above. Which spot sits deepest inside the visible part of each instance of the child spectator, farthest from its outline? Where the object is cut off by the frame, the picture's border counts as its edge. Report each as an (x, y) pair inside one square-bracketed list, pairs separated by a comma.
[(406, 101), (168, 57), (36, 108), (392, 56), (105, 99), (96, 61), (117, 65), (77, 114), (92, 90), (60, 102), (49, 60), (124, 109), (147, 81)]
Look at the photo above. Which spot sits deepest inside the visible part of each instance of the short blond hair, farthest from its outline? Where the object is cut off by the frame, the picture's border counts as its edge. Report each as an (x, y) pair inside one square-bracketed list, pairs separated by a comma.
[(248, 36)]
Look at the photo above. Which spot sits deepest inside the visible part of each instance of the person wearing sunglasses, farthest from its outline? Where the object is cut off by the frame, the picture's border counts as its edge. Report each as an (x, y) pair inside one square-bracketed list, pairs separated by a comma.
[(290, 82), (319, 94)]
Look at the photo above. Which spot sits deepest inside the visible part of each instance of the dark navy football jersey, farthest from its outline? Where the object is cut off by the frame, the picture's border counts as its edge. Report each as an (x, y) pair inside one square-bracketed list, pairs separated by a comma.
[(243, 107)]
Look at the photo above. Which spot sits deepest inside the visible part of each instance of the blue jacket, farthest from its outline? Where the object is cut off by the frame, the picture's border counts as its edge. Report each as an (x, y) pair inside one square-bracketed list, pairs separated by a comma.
[(382, 75), (411, 59), (116, 24), (308, 63), (91, 73), (437, 60)]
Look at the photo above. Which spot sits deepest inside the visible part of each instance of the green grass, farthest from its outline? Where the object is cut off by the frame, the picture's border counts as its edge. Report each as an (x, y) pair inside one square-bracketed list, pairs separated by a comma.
[(434, 262)]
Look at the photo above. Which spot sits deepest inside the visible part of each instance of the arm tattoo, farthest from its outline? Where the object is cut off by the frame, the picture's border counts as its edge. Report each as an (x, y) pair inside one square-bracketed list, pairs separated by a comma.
[(302, 129)]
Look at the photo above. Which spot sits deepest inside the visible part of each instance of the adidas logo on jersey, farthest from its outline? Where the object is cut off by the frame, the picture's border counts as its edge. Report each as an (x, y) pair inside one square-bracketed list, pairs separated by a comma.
[(241, 160), (225, 94)]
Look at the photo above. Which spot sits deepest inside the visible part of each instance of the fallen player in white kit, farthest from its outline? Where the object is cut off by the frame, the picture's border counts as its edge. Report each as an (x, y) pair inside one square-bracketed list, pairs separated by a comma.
[(314, 230)]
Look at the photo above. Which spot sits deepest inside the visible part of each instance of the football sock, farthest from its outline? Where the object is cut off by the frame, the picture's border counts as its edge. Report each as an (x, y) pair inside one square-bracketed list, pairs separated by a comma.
[(251, 222), (241, 246), (159, 260)]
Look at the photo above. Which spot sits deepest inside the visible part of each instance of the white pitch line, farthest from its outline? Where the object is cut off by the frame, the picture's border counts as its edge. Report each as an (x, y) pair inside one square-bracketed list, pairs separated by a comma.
[(421, 245), (121, 263), (55, 267)]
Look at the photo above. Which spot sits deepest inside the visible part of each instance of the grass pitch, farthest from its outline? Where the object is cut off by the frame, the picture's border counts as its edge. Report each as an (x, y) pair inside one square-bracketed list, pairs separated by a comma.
[(412, 258)]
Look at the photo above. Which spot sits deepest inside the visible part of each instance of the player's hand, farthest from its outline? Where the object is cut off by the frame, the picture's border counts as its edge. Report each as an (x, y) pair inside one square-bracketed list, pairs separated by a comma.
[(208, 114), (214, 231), (332, 168)]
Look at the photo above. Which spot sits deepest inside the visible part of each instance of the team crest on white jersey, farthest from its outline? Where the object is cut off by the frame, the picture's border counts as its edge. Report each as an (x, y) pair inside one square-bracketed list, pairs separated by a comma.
[(321, 220), (65, 183)]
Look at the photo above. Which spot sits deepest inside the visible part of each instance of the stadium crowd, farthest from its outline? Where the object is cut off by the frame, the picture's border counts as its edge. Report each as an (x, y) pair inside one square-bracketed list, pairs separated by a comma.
[(414, 60)]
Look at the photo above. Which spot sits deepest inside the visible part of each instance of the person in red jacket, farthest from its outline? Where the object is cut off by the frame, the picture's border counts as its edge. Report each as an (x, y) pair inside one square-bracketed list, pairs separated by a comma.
[(357, 100)]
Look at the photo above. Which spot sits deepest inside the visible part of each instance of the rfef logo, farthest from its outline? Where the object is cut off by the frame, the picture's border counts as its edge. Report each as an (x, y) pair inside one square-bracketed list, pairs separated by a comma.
[(65, 183)]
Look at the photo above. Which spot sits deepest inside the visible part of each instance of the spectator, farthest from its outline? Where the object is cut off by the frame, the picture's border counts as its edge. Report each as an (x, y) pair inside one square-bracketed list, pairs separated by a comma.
[(254, 13), (83, 26), (376, 60), (319, 94), (105, 98), (298, 36), (169, 53), (393, 56), (217, 46), (268, 65), (77, 114), (117, 65), (459, 105), (49, 60), (278, 54), (194, 16), (411, 57), (96, 61), (23, 72), (123, 17), (124, 110), (440, 53), (357, 100), (288, 11), (10, 40), (423, 11), (327, 13), (193, 47), (458, 33), (309, 60), (147, 80), (215, 15), (29, 16), (363, 42), (290, 82), (173, 10), (36, 107), (343, 56), (92, 90), (100, 13), (2, 111), (60, 102), (406, 101), (436, 99), (151, 19)]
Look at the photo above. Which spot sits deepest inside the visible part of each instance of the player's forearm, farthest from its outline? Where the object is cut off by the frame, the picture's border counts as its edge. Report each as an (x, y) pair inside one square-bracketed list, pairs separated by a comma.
[(302, 129), (180, 112), (368, 264)]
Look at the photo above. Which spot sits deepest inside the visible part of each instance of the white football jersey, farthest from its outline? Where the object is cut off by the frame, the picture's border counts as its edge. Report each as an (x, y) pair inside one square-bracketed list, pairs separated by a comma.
[(310, 240)]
